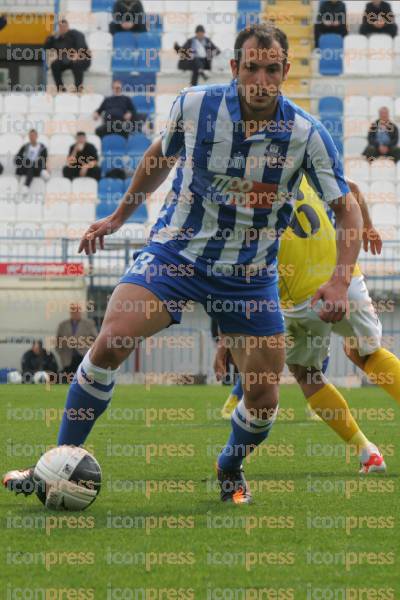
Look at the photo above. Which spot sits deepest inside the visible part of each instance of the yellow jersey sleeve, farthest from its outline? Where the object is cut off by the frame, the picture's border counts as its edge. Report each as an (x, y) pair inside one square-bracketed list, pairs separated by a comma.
[(307, 253)]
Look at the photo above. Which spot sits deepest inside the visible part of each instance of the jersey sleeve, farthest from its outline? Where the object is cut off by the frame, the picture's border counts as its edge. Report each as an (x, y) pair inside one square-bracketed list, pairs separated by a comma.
[(322, 165), (173, 135)]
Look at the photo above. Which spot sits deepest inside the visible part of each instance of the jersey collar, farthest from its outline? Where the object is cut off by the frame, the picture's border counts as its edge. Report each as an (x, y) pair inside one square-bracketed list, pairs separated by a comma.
[(233, 104)]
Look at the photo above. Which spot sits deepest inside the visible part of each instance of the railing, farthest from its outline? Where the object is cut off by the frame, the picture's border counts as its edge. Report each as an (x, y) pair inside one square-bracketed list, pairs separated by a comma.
[(382, 273)]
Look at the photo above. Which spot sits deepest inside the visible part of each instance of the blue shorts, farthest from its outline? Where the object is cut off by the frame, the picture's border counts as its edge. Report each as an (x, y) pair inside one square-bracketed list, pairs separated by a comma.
[(239, 305)]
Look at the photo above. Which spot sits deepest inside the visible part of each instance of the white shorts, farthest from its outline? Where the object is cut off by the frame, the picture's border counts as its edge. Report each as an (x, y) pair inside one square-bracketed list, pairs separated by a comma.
[(308, 338)]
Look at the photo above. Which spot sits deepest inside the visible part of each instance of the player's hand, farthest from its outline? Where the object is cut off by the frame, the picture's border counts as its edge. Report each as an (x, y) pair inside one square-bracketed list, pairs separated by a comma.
[(372, 240), (332, 296), (96, 232), (220, 362)]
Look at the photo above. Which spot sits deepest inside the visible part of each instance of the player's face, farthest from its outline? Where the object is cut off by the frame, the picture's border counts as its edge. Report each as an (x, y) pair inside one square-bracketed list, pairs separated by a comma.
[(260, 74)]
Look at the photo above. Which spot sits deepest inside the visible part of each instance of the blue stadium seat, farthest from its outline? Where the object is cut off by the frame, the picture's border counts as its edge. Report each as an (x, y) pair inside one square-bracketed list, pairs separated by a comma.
[(246, 19), (113, 145), (333, 123), (102, 5), (111, 162), (110, 193), (144, 104), (136, 83), (146, 60), (140, 215), (124, 39), (331, 57), (154, 23), (148, 40), (137, 144), (249, 5), (330, 105)]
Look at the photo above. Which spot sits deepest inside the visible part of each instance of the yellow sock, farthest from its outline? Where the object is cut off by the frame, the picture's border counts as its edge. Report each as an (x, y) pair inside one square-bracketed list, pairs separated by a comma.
[(383, 368), (330, 405)]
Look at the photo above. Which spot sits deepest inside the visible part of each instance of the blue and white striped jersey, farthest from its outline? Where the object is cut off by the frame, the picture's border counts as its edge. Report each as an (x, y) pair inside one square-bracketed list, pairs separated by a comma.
[(232, 196)]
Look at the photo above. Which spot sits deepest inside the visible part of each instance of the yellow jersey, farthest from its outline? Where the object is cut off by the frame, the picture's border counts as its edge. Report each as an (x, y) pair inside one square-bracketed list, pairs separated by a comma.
[(307, 253)]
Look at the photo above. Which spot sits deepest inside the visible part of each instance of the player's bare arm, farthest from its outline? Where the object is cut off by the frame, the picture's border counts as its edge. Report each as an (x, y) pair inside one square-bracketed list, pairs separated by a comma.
[(371, 237), (152, 170), (349, 225)]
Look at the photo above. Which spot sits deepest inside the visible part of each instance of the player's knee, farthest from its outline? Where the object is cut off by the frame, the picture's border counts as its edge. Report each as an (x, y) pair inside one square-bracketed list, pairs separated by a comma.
[(299, 373), (109, 351)]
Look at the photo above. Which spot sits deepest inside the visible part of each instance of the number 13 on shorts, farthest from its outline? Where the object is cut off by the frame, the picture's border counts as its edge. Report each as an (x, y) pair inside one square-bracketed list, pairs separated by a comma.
[(141, 263)]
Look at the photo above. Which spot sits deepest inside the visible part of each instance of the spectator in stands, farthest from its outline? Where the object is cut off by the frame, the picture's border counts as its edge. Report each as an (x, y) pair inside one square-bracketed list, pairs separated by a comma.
[(3, 21), (1, 169), (128, 15), (38, 359), (331, 19), (196, 54), (31, 161), (378, 18), (74, 338), (82, 160), (118, 113), (383, 137), (72, 54)]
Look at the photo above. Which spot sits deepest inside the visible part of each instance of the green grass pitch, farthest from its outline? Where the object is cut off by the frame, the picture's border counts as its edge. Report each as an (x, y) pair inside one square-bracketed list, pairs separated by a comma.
[(158, 531)]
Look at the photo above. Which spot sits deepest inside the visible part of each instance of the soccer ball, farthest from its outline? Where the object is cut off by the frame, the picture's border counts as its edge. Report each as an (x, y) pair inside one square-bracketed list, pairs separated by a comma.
[(67, 478), (41, 377), (14, 377)]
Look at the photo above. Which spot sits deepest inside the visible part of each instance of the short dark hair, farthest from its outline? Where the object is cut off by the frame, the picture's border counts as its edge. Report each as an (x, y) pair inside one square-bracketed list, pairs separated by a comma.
[(265, 33), (199, 29), (33, 131), (80, 133)]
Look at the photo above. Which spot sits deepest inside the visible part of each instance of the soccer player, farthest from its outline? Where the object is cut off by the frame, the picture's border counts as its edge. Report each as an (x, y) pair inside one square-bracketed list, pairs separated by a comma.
[(306, 258), (241, 149)]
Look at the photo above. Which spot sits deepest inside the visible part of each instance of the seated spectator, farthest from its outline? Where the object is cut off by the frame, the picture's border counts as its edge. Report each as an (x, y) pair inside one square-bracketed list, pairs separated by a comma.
[(128, 15), (3, 21), (1, 169), (38, 359), (331, 19), (383, 137), (31, 161), (378, 18), (72, 54), (74, 338), (118, 113), (82, 160), (196, 54)]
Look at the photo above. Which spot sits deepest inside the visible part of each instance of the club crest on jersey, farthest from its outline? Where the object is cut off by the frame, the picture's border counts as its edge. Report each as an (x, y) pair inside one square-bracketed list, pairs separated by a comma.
[(273, 156)]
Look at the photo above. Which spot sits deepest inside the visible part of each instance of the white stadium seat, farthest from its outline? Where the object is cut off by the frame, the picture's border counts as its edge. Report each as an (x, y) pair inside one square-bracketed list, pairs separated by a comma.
[(66, 103), (355, 54), (354, 146), (83, 6), (382, 191), (102, 20), (10, 143), (388, 216), (14, 123), (42, 122), (380, 54), (376, 102), (64, 123), (58, 195), (398, 171), (357, 169), (155, 6), (383, 170), (16, 103), (1, 103), (96, 141), (41, 103), (101, 62), (100, 40), (83, 200), (60, 144), (356, 106), (31, 206), (8, 196), (89, 103), (396, 51), (397, 108)]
